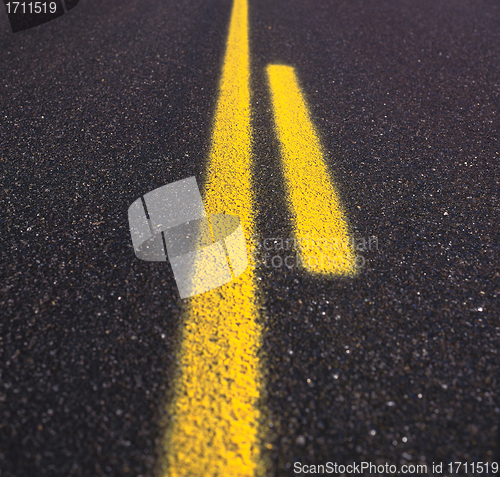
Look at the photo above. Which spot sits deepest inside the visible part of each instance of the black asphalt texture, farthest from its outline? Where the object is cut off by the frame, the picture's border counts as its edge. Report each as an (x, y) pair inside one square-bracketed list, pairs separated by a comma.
[(399, 364)]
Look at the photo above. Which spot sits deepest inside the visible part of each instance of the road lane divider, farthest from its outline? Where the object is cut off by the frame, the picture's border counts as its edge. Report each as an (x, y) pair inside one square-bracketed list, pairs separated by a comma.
[(320, 226), (215, 415)]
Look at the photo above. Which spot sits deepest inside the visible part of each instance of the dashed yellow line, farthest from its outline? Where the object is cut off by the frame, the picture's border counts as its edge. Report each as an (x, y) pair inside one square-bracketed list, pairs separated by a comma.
[(215, 428), (320, 225)]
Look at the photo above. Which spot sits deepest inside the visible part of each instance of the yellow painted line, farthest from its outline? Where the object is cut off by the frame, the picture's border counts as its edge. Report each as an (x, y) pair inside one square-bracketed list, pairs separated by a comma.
[(215, 424), (320, 225)]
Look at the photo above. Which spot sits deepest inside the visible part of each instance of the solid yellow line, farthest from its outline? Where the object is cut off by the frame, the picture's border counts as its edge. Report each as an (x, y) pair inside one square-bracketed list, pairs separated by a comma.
[(320, 226), (215, 428)]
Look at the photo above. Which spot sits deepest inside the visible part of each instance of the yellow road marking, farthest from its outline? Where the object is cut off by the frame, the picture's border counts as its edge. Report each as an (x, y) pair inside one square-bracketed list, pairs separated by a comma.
[(215, 428), (320, 225)]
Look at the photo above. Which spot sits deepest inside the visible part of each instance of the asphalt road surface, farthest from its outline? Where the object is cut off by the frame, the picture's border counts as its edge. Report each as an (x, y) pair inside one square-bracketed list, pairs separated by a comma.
[(395, 364)]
